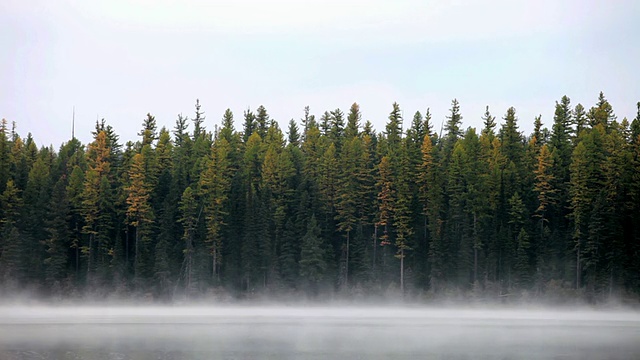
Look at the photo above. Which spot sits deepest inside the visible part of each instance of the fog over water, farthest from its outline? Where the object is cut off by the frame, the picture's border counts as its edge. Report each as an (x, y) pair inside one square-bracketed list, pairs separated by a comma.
[(314, 332)]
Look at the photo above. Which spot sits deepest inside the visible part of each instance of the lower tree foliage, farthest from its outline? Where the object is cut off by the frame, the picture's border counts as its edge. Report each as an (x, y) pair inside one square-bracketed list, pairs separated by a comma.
[(335, 209)]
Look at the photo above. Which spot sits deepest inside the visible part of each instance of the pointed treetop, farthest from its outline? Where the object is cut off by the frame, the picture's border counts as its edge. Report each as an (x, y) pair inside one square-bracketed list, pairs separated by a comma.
[(249, 125), (417, 125), (148, 131), (537, 130), (262, 121), (454, 119), (353, 121), (428, 126), (489, 123), (198, 129), (394, 126), (294, 135)]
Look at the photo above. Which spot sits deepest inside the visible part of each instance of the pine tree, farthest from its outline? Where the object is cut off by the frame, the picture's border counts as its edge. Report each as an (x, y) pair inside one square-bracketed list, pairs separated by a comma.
[(140, 216), (198, 120), (586, 181), (249, 125), (5, 155), (189, 220), (262, 121), (12, 260), (353, 122), (214, 190), (59, 239), (346, 204), (337, 128), (580, 121), (312, 263), (522, 265), (517, 219), (402, 215), (386, 201), (97, 199), (452, 127), (36, 197), (325, 123), (561, 147), (294, 135), (543, 185), (489, 124), (148, 131), (394, 130), (602, 113)]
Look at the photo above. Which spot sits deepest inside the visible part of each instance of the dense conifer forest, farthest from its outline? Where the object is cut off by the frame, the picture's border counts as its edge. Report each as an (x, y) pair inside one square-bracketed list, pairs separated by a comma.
[(329, 206)]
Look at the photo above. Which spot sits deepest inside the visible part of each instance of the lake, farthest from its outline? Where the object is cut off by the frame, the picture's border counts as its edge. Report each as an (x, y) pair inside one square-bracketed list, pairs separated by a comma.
[(313, 332)]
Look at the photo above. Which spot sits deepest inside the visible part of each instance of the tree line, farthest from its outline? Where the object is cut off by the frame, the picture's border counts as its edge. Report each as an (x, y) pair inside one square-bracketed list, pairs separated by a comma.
[(329, 206)]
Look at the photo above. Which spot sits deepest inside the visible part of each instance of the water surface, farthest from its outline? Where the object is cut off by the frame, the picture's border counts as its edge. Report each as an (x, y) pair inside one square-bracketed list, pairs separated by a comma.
[(315, 333)]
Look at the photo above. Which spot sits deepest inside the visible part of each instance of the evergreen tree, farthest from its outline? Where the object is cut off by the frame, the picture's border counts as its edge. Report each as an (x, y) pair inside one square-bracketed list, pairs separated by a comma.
[(394, 130), (249, 125), (140, 216), (452, 127), (312, 263), (353, 122), (149, 129), (5, 155), (489, 124), (59, 239), (198, 120), (294, 135), (97, 201), (262, 121), (214, 190), (602, 113), (12, 260), (189, 220)]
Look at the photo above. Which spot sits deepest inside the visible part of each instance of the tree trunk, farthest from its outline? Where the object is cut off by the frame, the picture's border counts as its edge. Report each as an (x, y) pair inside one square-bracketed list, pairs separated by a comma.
[(89, 254), (189, 263), (215, 273), (136, 257), (402, 271), (475, 249), (346, 271), (126, 247), (578, 270), (375, 240)]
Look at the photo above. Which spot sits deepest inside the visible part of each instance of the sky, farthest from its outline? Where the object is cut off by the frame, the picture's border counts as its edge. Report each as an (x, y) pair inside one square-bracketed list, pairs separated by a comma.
[(120, 60)]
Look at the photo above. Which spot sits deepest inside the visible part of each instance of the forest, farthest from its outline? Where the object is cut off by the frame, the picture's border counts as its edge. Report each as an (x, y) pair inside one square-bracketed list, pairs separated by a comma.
[(329, 207)]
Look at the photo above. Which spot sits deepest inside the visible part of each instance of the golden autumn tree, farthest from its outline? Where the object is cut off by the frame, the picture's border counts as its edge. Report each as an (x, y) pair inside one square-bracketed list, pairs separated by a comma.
[(139, 213), (96, 196)]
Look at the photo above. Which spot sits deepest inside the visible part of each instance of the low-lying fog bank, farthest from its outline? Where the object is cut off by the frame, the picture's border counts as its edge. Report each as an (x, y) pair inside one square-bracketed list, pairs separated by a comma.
[(185, 314)]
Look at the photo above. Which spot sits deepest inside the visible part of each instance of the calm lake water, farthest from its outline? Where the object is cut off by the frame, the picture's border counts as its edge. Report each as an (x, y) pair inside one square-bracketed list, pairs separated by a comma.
[(314, 333)]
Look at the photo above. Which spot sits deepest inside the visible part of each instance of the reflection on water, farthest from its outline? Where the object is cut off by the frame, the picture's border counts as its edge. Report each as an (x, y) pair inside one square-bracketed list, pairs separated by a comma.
[(315, 333)]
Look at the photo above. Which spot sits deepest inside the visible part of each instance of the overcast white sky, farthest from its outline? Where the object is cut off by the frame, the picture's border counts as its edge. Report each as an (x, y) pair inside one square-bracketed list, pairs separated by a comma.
[(121, 59)]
